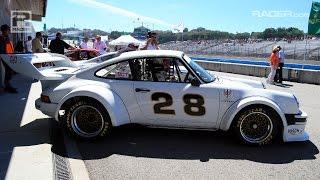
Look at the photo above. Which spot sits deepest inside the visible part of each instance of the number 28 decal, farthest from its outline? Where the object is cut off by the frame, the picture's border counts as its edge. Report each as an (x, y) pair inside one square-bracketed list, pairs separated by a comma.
[(193, 104)]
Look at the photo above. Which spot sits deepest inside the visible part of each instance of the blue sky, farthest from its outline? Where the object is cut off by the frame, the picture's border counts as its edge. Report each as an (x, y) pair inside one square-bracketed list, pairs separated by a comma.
[(227, 15)]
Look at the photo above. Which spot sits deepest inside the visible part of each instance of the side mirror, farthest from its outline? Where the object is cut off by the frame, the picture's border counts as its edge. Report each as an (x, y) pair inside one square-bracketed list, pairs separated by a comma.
[(195, 82)]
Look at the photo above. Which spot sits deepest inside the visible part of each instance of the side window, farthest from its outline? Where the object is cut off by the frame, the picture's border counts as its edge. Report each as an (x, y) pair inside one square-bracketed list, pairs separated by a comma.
[(138, 67), (116, 71), (185, 75), (160, 70)]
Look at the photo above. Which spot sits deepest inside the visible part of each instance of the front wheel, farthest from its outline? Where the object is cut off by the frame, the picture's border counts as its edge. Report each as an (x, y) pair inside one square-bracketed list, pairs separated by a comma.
[(257, 126), (87, 120)]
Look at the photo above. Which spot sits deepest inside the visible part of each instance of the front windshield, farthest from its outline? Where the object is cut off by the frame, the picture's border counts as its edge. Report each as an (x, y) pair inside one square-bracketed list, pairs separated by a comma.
[(204, 75)]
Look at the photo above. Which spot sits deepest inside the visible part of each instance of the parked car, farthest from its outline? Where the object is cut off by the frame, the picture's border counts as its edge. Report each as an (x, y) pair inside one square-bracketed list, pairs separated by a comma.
[(82, 54)]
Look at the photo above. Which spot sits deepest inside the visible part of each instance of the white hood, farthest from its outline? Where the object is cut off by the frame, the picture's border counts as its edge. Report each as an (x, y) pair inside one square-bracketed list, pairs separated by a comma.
[(242, 82)]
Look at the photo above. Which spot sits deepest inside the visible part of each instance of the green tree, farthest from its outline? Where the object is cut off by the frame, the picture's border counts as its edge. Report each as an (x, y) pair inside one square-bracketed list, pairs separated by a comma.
[(257, 35), (269, 33), (244, 35), (282, 32), (115, 34), (185, 30)]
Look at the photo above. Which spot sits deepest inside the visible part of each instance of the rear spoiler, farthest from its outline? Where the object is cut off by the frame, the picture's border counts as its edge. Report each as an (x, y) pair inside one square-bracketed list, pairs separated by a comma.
[(25, 64)]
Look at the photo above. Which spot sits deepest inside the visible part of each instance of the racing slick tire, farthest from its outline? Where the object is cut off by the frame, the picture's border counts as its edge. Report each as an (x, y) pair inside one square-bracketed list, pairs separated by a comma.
[(257, 125), (86, 119)]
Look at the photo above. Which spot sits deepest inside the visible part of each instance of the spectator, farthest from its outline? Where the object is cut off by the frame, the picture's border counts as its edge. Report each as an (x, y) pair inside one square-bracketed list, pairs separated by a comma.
[(100, 45), (151, 43), (274, 63), (84, 44), (28, 45), (278, 77), (6, 47), (36, 44), (19, 47), (58, 45)]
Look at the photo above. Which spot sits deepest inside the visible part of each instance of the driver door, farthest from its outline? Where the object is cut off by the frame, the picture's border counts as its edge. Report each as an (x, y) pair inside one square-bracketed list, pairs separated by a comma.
[(166, 97)]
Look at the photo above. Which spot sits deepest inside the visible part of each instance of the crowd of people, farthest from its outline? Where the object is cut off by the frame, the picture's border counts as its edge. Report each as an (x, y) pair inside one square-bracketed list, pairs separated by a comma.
[(57, 45), (150, 44), (30, 46)]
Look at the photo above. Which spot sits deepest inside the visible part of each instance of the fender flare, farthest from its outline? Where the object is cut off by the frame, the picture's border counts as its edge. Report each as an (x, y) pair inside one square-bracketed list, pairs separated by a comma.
[(236, 107), (108, 98)]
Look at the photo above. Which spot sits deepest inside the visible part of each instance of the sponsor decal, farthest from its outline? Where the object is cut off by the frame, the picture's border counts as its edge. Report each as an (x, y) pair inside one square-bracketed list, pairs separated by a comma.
[(13, 60), (295, 131), (227, 93)]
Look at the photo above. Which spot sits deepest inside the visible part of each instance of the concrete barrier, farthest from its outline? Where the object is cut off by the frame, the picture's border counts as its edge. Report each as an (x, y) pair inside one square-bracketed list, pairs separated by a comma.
[(295, 75)]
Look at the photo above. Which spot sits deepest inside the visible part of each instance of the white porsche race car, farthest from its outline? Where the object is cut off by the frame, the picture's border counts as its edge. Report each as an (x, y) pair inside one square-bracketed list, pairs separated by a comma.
[(159, 89)]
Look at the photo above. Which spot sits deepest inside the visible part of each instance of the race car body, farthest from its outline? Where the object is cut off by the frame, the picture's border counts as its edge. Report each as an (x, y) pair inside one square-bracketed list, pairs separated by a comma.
[(166, 89)]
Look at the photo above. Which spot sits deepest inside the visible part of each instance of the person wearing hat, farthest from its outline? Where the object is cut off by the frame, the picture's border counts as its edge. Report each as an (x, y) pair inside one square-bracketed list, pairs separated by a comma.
[(6, 47), (278, 77), (84, 44), (151, 43), (100, 45), (58, 45), (274, 63)]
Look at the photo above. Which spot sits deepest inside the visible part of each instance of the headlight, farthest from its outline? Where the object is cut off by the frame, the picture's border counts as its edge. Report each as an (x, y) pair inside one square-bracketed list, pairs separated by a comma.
[(296, 100)]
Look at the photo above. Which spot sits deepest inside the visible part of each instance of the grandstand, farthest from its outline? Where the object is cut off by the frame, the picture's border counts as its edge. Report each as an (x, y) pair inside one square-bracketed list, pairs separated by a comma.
[(297, 49)]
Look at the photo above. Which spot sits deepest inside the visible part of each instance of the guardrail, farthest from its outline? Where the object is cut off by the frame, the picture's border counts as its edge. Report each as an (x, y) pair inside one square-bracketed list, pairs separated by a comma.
[(289, 74)]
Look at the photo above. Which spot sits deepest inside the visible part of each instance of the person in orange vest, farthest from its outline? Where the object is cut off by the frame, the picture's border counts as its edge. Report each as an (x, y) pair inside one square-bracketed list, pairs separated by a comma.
[(6, 47), (274, 64)]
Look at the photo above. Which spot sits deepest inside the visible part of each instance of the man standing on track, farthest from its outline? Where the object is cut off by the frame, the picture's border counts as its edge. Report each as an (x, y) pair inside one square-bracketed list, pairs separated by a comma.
[(278, 77), (58, 45)]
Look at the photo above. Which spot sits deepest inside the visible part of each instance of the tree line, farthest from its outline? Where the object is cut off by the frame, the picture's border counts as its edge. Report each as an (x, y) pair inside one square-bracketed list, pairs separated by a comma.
[(85, 32), (200, 34), (205, 34)]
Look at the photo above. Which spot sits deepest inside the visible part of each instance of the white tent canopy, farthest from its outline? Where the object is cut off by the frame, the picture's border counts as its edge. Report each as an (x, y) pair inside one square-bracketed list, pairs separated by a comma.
[(125, 40)]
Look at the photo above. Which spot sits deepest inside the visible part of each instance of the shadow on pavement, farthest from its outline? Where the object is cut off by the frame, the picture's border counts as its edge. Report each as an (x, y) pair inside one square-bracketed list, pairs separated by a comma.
[(31, 134), (191, 145), (284, 85), (12, 133)]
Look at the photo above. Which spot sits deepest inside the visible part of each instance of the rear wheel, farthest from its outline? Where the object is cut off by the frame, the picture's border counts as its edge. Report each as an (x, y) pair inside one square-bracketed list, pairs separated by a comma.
[(257, 125), (87, 119)]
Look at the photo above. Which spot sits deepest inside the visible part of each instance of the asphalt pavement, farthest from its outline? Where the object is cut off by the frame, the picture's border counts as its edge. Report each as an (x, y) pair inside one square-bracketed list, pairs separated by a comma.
[(33, 147), (25, 143), (135, 152), (31, 144)]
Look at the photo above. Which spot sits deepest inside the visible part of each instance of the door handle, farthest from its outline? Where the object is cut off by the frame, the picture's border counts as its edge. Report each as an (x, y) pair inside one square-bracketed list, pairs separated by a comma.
[(142, 90)]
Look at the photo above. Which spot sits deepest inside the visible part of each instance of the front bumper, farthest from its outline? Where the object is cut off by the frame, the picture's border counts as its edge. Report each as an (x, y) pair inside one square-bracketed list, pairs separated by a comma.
[(295, 131), (46, 108)]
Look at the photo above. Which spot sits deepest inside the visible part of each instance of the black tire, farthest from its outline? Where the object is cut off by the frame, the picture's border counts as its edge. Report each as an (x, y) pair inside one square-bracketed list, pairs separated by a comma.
[(259, 125), (87, 119)]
